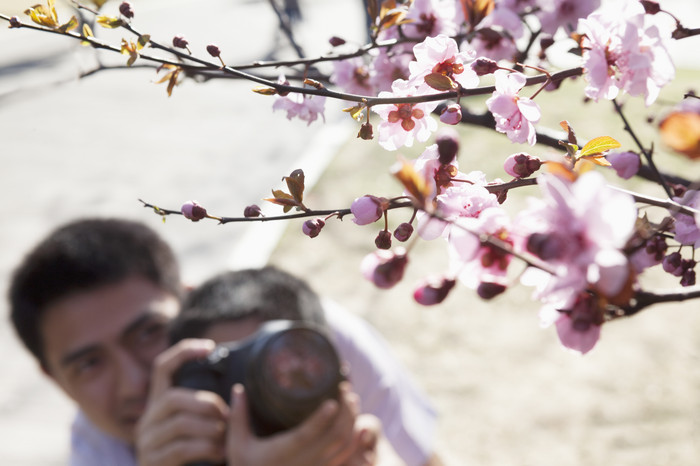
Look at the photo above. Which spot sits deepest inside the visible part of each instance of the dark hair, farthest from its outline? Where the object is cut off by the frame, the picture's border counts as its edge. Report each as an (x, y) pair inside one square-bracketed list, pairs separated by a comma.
[(82, 256), (265, 294)]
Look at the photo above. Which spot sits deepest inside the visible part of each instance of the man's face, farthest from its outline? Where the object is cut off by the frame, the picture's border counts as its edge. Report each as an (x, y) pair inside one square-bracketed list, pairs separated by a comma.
[(100, 345)]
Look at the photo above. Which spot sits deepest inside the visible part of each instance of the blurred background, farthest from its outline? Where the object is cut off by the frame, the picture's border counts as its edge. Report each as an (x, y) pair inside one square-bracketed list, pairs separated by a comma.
[(506, 392)]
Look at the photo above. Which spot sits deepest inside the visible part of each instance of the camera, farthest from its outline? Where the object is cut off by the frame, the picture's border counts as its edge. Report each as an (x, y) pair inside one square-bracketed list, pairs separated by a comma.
[(288, 368)]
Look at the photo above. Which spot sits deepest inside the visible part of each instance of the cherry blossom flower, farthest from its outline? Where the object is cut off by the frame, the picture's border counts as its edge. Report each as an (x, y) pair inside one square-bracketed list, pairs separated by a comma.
[(352, 76), (564, 13), (430, 18), (304, 107), (686, 227), (404, 123), (386, 67), (496, 35), (623, 53), (578, 328), (514, 115), (441, 56), (579, 228)]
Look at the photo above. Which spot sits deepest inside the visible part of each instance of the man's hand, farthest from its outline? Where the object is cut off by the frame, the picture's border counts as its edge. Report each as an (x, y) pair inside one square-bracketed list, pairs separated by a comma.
[(326, 438), (180, 425)]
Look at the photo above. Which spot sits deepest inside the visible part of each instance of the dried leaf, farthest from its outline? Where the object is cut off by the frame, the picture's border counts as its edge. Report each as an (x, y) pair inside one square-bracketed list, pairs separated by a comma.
[(571, 135), (598, 146), (681, 132), (440, 82)]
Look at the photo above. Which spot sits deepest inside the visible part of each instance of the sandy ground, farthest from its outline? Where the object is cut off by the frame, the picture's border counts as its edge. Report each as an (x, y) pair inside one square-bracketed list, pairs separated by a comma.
[(506, 392)]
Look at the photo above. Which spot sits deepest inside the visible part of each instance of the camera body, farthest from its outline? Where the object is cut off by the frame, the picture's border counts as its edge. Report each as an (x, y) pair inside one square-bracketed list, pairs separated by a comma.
[(288, 368)]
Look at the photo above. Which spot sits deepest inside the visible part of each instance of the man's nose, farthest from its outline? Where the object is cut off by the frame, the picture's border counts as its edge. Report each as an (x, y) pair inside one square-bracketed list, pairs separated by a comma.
[(132, 376)]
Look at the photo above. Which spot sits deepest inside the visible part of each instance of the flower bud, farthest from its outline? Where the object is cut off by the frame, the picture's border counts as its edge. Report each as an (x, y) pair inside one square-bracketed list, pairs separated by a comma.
[(313, 227), (403, 232), (626, 164), (126, 10), (433, 290), (336, 41), (367, 209), (521, 165), (384, 268), (447, 141), (15, 22), (688, 278), (366, 132), (487, 290), (452, 114), (673, 264), (180, 42), (252, 211), (213, 50), (383, 240), (193, 211), (483, 66)]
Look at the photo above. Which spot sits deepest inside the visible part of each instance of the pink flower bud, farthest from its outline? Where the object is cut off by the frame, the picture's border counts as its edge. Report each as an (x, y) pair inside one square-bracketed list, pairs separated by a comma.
[(447, 141), (673, 264), (452, 114), (335, 41), (487, 290), (213, 50), (626, 164), (383, 240), (483, 66), (384, 268), (433, 290), (521, 165), (15, 22), (403, 232), (126, 10), (367, 209), (252, 211), (312, 228), (180, 42), (193, 211)]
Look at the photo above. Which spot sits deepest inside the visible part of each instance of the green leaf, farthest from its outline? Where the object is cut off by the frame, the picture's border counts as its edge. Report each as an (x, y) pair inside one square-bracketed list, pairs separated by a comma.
[(598, 146)]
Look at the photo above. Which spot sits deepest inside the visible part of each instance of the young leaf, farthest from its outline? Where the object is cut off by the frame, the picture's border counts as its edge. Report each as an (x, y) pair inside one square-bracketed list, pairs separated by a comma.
[(440, 82), (571, 135), (412, 181), (87, 32), (265, 90), (283, 199), (109, 22), (70, 25), (143, 40), (295, 183), (598, 146), (355, 112)]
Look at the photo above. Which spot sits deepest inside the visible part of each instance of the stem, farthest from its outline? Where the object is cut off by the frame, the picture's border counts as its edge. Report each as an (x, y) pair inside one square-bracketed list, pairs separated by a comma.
[(647, 154), (645, 299)]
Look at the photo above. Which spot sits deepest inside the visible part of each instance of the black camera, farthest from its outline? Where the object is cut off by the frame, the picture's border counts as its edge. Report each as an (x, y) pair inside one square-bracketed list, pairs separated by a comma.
[(288, 369)]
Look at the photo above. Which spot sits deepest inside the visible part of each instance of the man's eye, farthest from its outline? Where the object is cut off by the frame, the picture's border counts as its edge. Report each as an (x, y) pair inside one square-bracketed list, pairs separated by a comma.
[(87, 364), (150, 332)]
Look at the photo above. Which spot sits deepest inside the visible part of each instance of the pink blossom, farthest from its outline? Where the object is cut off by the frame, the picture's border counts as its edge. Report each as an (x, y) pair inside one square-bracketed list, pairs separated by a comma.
[(403, 123), (304, 107), (352, 76), (384, 268), (514, 115), (625, 164), (385, 68), (580, 229), (430, 18), (496, 34), (687, 228), (554, 14), (367, 209), (440, 55), (623, 53), (452, 114), (579, 327)]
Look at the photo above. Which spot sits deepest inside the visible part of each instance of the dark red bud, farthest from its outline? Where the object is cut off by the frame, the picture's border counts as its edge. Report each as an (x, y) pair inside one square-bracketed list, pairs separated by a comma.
[(15, 22), (335, 41), (688, 278), (383, 240), (180, 42), (366, 132), (448, 145), (252, 211), (483, 66), (313, 227), (126, 10), (213, 50), (488, 290), (193, 211), (650, 7), (403, 232)]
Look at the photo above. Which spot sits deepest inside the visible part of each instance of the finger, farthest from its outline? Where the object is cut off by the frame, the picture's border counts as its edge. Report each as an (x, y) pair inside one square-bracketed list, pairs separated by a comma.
[(187, 426), (183, 451), (170, 360), (175, 400), (337, 440)]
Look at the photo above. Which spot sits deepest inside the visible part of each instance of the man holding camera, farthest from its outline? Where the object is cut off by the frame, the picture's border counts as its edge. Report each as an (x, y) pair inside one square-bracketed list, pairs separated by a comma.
[(92, 302)]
